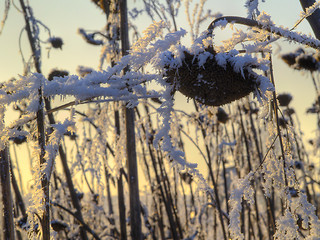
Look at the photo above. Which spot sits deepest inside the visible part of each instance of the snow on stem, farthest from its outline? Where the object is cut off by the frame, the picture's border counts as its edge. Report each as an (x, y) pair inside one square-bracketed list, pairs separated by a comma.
[(267, 26)]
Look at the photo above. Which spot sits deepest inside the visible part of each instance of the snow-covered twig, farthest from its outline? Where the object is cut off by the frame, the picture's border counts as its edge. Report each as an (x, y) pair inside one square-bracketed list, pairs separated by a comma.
[(280, 31)]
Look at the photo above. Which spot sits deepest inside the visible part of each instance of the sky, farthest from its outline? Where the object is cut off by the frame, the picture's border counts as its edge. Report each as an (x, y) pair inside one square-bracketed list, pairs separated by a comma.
[(65, 17)]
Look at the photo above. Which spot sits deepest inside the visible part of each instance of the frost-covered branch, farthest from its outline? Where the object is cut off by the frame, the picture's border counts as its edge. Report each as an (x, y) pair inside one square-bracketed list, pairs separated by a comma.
[(308, 12), (280, 31), (313, 19)]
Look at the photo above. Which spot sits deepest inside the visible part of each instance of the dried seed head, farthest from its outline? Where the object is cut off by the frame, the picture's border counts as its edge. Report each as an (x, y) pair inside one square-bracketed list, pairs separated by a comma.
[(83, 71), (186, 177), (307, 62), (56, 42), (284, 99), (58, 225), (222, 116), (289, 111), (289, 58), (210, 84), (301, 60), (57, 73), (19, 139), (283, 122), (313, 109), (298, 165)]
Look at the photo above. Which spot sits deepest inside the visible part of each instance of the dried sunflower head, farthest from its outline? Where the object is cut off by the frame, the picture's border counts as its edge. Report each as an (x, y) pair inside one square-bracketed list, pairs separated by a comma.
[(201, 77)]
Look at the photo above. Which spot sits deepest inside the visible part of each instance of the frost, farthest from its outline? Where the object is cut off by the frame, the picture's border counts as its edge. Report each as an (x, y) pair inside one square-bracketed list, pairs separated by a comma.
[(287, 227), (54, 143), (165, 111), (3, 131), (240, 63), (252, 8), (308, 12), (244, 191)]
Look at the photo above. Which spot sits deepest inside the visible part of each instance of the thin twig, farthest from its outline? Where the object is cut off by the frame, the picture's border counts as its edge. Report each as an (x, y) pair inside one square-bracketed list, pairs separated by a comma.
[(85, 226)]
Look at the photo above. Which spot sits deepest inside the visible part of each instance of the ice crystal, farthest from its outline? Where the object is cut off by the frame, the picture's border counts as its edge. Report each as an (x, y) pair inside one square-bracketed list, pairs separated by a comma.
[(287, 227), (244, 191)]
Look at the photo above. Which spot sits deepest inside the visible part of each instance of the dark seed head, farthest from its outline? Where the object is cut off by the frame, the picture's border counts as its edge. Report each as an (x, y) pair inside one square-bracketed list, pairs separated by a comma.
[(289, 111), (186, 177), (56, 42), (307, 62), (83, 71), (282, 122), (222, 116), (298, 165), (58, 225), (210, 84), (284, 99), (57, 73), (19, 139), (289, 58)]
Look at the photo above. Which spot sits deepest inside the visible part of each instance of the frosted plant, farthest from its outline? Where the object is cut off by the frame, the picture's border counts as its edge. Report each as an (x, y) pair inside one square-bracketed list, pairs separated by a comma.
[(308, 12), (149, 61), (3, 130), (166, 12), (252, 8), (287, 227), (243, 190), (198, 16)]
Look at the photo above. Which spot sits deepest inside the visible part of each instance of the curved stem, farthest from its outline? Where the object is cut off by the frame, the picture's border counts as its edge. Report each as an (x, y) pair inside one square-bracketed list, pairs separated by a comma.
[(313, 19), (275, 108), (313, 43), (75, 215)]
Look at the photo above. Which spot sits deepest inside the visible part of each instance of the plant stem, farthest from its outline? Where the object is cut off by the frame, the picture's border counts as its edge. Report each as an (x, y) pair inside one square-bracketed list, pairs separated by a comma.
[(135, 210), (7, 222), (45, 218), (83, 224), (271, 29), (275, 109), (314, 18), (67, 173), (121, 199)]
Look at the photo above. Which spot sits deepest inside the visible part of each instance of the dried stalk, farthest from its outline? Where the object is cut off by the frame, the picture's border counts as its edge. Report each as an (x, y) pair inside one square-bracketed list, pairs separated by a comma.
[(7, 222), (135, 210), (314, 18), (45, 218), (271, 29)]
